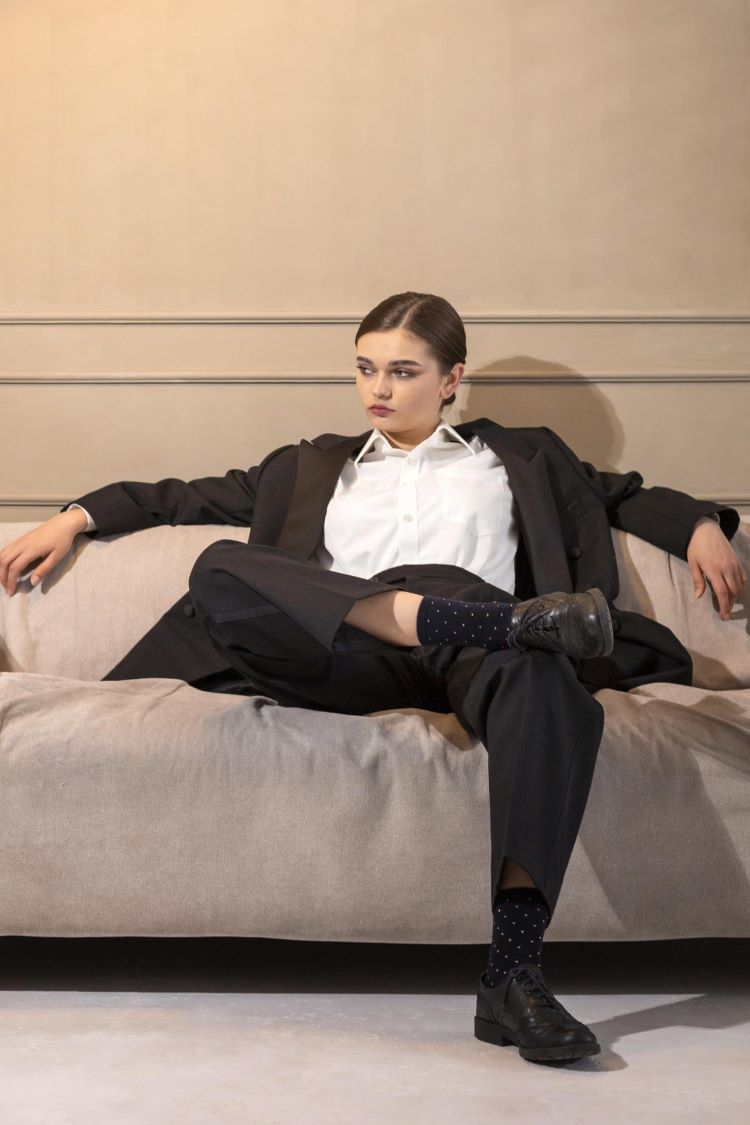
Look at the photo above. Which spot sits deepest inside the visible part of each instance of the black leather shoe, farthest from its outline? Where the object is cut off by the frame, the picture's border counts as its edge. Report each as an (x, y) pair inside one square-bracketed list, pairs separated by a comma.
[(577, 624), (521, 1009)]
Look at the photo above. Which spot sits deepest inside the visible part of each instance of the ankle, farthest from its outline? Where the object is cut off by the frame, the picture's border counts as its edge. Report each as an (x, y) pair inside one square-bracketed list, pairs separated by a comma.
[(519, 918), (455, 621)]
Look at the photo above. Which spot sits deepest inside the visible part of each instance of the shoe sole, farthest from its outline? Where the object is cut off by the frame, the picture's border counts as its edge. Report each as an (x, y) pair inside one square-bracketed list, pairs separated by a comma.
[(605, 620), (493, 1033)]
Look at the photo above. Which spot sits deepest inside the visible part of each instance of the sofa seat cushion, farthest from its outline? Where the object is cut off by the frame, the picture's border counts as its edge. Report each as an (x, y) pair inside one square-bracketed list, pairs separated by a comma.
[(148, 807), (666, 830)]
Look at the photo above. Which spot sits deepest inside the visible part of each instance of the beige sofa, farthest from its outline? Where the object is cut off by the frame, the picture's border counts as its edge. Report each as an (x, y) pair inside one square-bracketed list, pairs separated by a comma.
[(148, 807)]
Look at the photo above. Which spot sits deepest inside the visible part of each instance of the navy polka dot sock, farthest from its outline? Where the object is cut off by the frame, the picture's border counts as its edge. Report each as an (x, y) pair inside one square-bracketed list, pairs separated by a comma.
[(450, 621), (519, 919)]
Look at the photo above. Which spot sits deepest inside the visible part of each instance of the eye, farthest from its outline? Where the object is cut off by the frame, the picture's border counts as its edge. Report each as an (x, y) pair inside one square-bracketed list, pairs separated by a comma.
[(399, 371)]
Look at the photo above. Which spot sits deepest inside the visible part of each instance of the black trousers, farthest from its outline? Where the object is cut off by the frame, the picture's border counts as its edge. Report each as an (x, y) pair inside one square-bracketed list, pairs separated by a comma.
[(277, 619)]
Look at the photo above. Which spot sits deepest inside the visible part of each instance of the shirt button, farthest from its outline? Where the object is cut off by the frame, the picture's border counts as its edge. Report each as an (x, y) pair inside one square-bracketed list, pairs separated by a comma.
[(407, 517), (410, 460), (189, 610)]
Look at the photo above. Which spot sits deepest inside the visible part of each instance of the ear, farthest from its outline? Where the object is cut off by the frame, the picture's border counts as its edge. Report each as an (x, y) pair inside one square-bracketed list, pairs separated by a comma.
[(456, 375)]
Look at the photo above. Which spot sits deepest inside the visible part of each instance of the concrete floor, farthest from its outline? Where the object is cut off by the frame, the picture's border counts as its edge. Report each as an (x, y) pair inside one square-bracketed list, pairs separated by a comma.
[(223, 1030)]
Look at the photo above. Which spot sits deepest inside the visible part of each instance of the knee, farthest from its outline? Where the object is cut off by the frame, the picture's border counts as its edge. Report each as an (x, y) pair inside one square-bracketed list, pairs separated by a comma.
[(554, 668), (548, 661), (208, 564), (550, 672)]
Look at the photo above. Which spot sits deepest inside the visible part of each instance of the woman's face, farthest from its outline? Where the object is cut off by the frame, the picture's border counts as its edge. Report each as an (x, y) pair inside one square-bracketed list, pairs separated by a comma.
[(397, 370)]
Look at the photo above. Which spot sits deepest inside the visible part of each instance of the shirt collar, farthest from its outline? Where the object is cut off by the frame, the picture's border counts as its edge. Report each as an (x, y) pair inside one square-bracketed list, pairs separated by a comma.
[(442, 434)]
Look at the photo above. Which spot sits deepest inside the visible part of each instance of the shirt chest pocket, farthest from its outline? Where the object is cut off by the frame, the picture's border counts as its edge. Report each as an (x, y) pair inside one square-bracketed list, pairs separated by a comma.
[(478, 506)]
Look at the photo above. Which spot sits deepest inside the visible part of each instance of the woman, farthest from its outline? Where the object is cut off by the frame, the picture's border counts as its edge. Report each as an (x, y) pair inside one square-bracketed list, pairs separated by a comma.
[(411, 599)]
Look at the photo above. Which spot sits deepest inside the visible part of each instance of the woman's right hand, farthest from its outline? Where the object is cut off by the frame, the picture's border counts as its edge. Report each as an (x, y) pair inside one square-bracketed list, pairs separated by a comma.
[(49, 543)]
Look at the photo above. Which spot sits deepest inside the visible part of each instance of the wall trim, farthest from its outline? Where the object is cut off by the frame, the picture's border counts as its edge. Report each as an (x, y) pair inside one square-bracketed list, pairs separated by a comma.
[(694, 317), (500, 379), (32, 501)]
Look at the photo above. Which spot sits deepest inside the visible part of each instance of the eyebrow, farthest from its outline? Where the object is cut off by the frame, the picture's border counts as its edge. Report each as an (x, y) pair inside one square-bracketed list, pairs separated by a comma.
[(394, 362)]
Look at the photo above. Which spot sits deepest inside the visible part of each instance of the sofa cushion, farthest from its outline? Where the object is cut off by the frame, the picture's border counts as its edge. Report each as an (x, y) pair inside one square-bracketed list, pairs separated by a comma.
[(148, 807)]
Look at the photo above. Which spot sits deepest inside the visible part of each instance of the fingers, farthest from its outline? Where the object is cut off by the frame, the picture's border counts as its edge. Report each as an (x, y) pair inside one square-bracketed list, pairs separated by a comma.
[(7, 560), (44, 568), (698, 580), (6, 556), (11, 570), (734, 581), (722, 601), (45, 545), (726, 587), (725, 575)]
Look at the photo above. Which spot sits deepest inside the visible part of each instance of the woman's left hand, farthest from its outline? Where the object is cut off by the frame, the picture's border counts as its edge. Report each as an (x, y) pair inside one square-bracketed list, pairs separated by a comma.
[(711, 557)]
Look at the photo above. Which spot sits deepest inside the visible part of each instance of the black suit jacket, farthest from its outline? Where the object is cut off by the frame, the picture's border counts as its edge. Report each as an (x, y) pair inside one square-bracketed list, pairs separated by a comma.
[(564, 509)]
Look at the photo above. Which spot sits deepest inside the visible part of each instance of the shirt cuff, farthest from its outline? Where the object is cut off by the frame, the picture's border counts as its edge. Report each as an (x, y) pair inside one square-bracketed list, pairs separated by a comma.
[(90, 525)]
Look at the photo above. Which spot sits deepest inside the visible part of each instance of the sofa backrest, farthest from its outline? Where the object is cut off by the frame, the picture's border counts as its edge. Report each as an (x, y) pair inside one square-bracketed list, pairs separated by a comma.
[(660, 585), (93, 607)]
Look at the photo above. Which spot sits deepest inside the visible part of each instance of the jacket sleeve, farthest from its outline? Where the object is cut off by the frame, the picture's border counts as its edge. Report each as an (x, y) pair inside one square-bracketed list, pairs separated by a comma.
[(133, 505), (663, 516)]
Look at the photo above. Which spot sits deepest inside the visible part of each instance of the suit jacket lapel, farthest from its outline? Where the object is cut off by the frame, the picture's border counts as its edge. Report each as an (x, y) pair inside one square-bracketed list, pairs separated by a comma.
[(535, 503), (318, 470)]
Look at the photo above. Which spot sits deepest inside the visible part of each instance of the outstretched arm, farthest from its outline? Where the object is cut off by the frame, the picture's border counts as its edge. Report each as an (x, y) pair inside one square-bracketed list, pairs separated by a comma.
[(133, 505)]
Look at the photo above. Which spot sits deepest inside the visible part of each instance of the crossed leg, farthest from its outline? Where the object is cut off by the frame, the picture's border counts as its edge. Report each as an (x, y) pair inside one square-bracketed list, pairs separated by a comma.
[(312, 637)]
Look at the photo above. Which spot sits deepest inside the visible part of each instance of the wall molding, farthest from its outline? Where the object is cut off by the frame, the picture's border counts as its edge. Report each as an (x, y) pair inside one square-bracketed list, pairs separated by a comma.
[(325, 319), (501, 379), (35, 501)]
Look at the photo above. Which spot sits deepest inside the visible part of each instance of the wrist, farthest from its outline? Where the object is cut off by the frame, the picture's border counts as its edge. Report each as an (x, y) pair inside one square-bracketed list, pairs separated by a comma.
[(76, 517), (707, 519)]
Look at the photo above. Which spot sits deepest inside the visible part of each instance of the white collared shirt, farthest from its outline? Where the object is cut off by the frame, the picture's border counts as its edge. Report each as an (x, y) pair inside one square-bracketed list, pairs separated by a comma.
[(444, 501)]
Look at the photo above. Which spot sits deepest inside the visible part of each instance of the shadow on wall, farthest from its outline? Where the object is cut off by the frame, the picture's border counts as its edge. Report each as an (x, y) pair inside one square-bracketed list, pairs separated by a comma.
[(539, 404)]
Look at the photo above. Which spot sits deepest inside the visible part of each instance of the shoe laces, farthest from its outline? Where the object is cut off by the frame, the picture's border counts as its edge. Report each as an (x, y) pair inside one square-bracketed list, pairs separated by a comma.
[(534, 985), (542, 622)]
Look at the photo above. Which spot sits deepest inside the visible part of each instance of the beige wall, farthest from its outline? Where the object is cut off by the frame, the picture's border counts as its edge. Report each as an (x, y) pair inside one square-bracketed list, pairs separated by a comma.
[(201, 200)]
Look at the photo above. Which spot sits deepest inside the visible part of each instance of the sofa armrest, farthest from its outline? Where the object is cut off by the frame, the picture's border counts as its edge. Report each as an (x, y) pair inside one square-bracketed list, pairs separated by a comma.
[(100, 599), (660, 585)]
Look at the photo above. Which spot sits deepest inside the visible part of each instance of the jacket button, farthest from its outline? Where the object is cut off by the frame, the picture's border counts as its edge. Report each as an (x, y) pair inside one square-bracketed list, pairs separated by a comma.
[(189, 610), (574, 552)]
